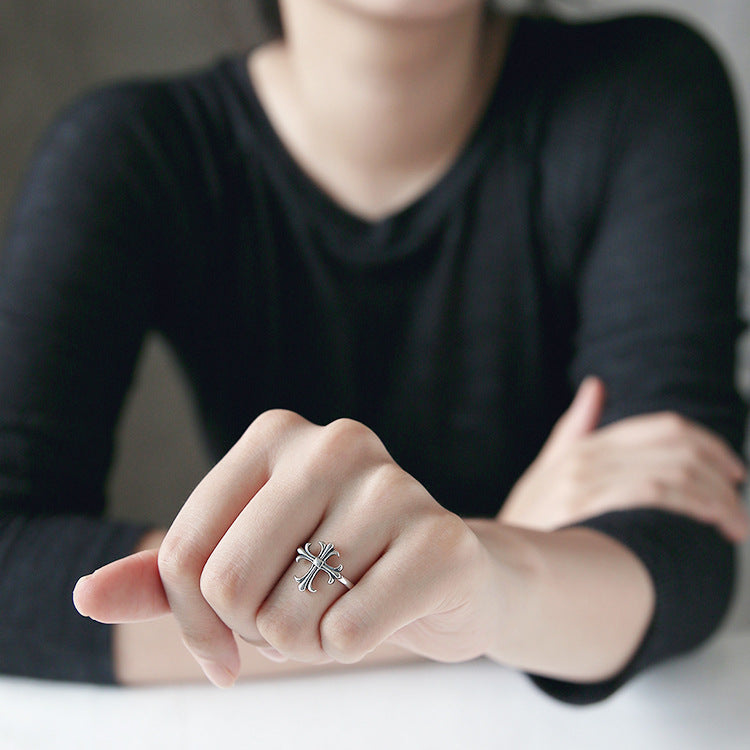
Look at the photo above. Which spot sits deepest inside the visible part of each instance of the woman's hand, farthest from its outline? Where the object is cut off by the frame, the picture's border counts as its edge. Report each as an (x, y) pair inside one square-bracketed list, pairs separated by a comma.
[(422, 579), (657, 460)]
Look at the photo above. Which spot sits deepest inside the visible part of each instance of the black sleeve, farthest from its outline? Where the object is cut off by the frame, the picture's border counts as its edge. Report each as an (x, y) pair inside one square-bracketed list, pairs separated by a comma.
[(656, 299), (77, 294)]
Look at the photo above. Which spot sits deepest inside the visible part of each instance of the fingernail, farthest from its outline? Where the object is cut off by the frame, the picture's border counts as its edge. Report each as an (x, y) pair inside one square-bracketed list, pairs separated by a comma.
[(218, 674), (80, 581), (76, 604)]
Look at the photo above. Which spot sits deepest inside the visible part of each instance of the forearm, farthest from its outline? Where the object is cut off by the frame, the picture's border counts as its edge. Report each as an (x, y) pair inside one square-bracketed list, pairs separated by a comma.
[(41, 634), (576, 603)]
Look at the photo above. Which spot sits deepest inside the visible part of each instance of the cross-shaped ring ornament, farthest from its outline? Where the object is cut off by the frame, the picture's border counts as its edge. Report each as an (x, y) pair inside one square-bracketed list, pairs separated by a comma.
[(319, 563)]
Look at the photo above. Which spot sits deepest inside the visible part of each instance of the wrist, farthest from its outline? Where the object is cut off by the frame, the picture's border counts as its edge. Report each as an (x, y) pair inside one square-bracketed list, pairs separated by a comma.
[(576, 603), (514, 571)]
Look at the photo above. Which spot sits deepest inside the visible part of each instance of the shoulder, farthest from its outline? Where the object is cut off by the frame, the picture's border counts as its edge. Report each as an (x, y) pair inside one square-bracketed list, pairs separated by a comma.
[(641, 61), (609, 87), (146, 117), (626, 111), (144, 144), (636, 43), (593, 90), (647, 88)]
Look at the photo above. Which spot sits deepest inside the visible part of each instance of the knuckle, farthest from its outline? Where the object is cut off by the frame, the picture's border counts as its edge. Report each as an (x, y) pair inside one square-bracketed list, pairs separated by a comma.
[(223, 586), (344, 636), (672, 424), (343, 439), (447, 535), (382, 485), (180, 560), (452, 530), (274, 421), (281, 628), (344, 433)]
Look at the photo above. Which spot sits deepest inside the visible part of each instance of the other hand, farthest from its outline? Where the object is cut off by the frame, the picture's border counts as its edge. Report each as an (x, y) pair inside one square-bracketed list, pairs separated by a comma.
[(656, 460)]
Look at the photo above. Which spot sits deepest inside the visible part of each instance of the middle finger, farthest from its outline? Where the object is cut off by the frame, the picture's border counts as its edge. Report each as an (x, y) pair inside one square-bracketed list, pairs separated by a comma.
[(250, 578)]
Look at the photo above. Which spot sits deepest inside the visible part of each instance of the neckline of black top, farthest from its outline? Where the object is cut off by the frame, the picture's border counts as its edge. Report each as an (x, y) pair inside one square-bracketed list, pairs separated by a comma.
[(351, 237)]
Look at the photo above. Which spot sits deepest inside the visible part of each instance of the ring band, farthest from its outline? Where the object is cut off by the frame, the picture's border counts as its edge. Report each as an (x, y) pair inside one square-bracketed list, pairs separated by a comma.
[(318, 564)]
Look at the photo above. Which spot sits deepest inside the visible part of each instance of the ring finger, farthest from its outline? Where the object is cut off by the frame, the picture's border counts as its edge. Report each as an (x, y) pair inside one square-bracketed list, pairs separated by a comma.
[(290, 617)]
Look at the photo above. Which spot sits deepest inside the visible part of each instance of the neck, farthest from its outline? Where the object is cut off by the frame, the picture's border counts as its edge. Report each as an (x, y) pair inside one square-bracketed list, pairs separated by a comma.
[(383, 104)]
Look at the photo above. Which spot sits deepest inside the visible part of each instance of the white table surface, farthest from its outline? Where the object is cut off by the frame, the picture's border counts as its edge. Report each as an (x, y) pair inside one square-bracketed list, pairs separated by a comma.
[(696, 702)]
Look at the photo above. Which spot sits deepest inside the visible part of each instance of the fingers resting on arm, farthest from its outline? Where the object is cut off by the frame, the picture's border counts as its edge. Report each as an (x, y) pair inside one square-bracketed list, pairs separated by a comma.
[(659, 460)]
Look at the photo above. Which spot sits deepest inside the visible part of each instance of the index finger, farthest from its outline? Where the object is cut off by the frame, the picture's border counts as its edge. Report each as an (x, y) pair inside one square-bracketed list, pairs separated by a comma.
[(205, 518)]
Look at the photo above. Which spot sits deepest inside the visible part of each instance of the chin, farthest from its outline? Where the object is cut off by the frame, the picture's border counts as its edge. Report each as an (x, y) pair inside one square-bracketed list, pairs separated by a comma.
[(415, 10)]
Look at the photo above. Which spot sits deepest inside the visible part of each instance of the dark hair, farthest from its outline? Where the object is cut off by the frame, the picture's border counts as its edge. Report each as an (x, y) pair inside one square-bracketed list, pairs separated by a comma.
[(270, 16), (268, 10)]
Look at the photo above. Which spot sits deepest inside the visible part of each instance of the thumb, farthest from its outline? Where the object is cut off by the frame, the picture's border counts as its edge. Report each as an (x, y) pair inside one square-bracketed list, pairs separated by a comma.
[(127, 590), (580, 418)]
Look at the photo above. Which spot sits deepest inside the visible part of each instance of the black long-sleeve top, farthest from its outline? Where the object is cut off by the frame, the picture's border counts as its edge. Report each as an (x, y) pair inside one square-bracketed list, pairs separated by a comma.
[(590, 226)]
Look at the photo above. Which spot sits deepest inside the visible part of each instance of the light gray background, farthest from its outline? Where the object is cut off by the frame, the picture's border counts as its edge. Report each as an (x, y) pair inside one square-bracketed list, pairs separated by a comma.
[(50, 50)]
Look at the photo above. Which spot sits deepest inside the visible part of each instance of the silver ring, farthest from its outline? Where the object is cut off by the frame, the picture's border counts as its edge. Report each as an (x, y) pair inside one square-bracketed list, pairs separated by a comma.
[(318, 564)]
